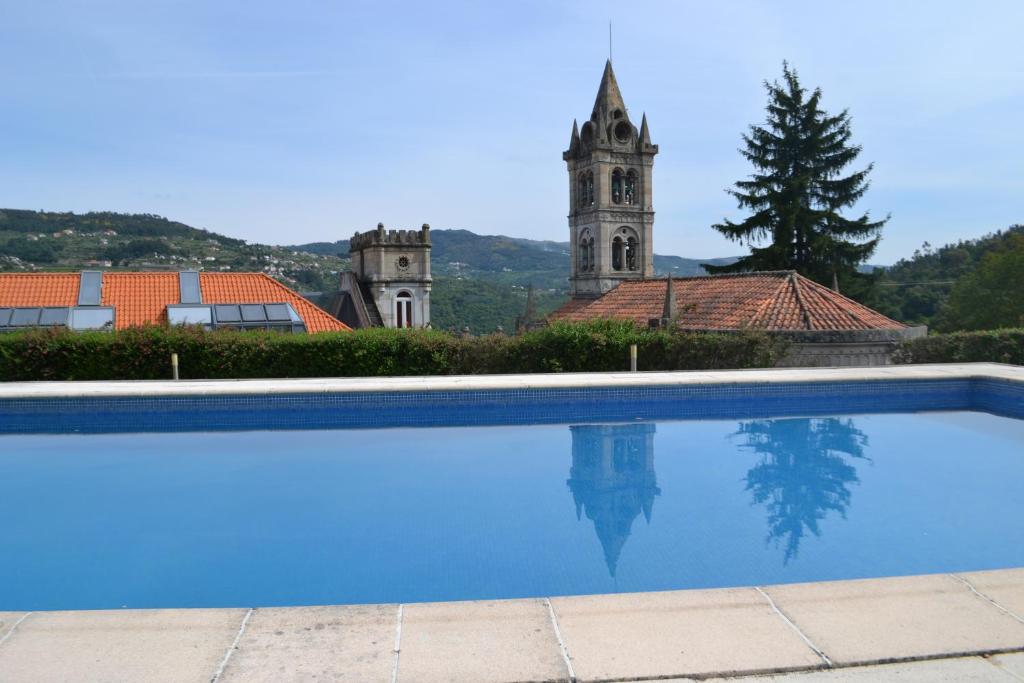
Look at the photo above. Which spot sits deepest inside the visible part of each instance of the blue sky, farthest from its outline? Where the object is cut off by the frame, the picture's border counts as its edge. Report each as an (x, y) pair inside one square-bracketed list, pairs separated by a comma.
[(296, 121)]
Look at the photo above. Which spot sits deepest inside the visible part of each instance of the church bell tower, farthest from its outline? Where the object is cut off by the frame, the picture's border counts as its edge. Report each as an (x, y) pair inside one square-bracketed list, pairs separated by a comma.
[(611, 217)]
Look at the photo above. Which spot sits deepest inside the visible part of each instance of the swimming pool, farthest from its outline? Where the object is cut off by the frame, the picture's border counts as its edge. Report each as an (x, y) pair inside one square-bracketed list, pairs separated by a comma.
[(326, 498)]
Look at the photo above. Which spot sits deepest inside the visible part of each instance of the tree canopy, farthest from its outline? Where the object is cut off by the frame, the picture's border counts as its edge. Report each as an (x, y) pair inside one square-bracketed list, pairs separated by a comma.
[(798, 189), (990, 296)]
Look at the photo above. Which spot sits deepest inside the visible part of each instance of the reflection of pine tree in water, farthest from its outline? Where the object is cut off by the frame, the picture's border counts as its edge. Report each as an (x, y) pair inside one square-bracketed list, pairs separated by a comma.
[(612, 480), (803, 474)]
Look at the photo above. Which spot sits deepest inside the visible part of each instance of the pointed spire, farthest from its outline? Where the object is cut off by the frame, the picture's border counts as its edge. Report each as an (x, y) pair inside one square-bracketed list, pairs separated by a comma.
[(608, 96), (670, 310), (645, 134), (574, 139)]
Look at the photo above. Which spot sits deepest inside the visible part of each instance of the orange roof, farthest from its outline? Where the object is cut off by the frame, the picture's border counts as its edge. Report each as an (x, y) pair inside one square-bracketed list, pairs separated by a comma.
[(774, 301), (142, 298), (38, 289)]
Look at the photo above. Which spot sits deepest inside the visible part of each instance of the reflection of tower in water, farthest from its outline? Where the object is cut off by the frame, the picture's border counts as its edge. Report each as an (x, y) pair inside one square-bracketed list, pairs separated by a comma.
[(612, 480)]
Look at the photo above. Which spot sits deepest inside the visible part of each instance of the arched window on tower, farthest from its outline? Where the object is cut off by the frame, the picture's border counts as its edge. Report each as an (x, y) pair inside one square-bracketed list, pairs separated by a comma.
[(581, 190), (403, 309), (631, 185), (585, 254), (593, 255), (590, 188), (631, 260), (617, 182), (625, 249)]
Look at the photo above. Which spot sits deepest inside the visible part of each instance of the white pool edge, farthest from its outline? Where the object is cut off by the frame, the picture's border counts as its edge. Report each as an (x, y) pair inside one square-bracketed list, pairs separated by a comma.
[(330, 385)]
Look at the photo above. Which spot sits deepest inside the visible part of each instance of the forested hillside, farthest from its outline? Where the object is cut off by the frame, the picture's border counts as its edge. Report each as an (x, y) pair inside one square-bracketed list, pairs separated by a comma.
[(918, 289)]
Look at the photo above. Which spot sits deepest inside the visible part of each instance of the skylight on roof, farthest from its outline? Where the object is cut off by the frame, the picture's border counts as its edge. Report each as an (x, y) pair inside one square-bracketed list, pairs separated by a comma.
[(188, 286), (89, 284)]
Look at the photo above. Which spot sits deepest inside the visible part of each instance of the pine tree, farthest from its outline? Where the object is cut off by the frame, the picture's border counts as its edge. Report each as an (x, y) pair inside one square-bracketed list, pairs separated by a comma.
[(797, 191)]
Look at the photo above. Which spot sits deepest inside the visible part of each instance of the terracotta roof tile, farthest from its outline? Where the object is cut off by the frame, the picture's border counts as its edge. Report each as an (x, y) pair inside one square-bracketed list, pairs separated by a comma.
[(774, 301), (142, 298), (139, 298), (38, 289)]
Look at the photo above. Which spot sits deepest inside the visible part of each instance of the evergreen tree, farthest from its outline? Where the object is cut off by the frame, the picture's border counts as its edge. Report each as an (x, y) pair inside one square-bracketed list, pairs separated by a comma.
[(797, 191)]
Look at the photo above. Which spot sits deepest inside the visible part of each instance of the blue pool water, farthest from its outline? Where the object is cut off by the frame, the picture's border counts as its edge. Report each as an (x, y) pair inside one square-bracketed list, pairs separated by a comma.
[(324, 516)]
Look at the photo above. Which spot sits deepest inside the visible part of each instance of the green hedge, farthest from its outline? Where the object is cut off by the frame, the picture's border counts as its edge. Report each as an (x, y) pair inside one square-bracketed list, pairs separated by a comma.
[(991, 346), (144, 353)]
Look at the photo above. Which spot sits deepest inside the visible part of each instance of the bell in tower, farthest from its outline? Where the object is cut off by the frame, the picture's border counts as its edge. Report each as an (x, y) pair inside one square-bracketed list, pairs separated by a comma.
[(611, 217)]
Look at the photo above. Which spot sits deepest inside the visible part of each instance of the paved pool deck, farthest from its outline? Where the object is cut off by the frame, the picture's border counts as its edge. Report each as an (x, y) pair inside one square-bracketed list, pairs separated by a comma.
[(941, 627)]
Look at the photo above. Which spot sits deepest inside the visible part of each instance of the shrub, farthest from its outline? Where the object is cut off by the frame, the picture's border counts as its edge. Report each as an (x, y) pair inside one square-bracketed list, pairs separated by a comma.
[(144, 353), (992, 346)]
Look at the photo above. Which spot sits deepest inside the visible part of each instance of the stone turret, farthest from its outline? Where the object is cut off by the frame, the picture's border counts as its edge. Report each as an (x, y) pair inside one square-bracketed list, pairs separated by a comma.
[(392, 268)]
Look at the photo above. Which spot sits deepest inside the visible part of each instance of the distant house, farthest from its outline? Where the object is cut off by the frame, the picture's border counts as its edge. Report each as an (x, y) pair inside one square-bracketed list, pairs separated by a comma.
[(825, 327), (95, 300)]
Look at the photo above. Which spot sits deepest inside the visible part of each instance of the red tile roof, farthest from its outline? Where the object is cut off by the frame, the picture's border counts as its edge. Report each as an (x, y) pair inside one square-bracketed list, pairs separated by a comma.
[(773, 301), (142, 298), (38, 289)]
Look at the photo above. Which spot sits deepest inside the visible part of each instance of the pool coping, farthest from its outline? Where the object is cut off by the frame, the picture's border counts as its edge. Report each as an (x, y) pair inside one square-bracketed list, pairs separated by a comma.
[(255, 387)]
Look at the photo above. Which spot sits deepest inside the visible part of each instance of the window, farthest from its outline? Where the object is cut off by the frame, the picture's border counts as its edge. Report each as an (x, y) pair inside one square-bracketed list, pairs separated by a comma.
[(590, 189), (593, 255), (581, 190), (253, 313), (626, 249), (25, 317), (631, 263), (403, 309), (188, 287), (585, 255), (92, 318), (53, 317), (89, 283), (274, 316), (190, 315), (630, 190), (617, 182), (278, 313), (228, 313), (617, 253)]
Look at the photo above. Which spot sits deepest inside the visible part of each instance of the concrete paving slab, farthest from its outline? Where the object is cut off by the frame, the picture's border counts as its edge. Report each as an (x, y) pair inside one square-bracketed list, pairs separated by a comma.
[(483, 642), (960, 670), (1012, 664), (680, 633), (7, 622), (177, 645), (877, 620), (341, 643), (1005, 586)]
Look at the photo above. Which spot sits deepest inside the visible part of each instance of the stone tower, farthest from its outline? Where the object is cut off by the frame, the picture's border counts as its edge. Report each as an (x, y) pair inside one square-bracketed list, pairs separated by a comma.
[(391, 273), (611, 217)]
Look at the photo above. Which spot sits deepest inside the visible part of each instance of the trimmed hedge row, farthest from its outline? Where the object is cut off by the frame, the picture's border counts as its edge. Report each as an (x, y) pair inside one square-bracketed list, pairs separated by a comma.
[(144, 353), (987, 346)]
